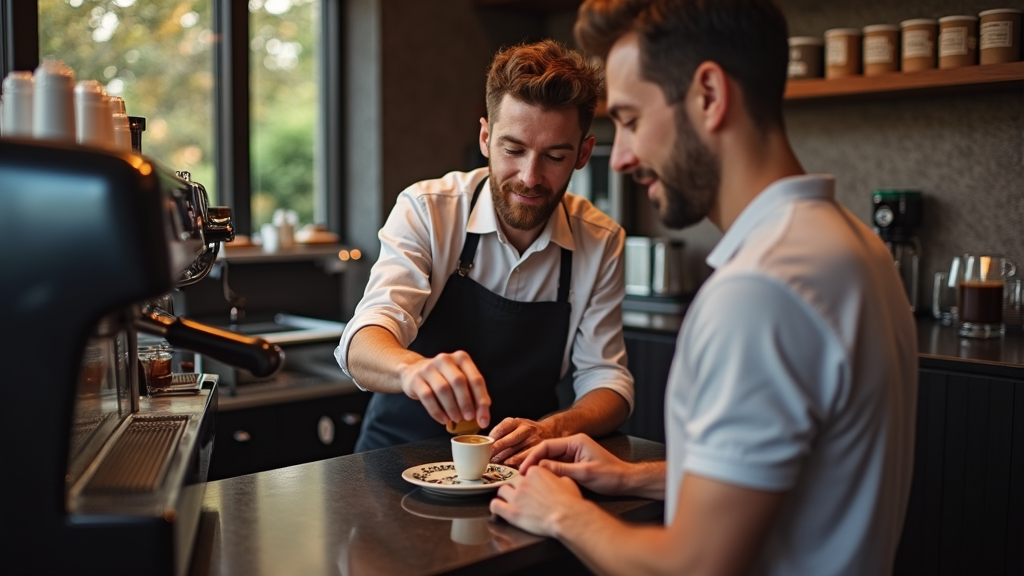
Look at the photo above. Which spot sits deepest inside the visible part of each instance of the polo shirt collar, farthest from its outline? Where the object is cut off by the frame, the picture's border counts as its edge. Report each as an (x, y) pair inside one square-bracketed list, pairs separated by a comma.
[(777, 194), (484, 220)]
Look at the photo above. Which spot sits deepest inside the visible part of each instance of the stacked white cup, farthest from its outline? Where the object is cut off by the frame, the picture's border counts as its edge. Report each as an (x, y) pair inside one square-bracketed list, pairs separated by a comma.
[(18, 89), (93, 123), (122, 133), (53, 109)]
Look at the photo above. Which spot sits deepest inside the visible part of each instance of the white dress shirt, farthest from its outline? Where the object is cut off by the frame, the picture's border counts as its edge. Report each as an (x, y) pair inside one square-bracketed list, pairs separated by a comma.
[(796, 370), (420, 246)]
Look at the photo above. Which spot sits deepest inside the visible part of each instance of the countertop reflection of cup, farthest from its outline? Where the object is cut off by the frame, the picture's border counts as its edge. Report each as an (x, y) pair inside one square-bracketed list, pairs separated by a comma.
[(980, 295), (471, 453)]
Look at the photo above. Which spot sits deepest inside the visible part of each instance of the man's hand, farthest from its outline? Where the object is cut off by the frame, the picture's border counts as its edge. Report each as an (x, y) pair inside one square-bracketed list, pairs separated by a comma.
[(449, 386), (513, 438), (537, 500), (582, 459)]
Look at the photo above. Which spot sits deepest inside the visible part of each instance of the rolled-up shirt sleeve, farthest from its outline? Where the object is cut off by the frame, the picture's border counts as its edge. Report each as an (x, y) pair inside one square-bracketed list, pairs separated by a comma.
[(599, 349), (399, 283)]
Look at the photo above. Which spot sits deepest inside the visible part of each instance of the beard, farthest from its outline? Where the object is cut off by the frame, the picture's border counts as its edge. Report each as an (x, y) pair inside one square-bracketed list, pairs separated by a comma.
[(690, 180), (524, 216)]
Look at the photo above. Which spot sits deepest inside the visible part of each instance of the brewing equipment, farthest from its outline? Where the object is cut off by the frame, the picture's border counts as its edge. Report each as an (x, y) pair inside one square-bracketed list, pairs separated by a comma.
[(896, 214), (98, 480)]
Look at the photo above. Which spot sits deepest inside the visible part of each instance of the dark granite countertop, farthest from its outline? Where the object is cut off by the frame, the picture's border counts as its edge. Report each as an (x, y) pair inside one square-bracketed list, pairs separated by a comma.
[(356, 516), (939, 347)]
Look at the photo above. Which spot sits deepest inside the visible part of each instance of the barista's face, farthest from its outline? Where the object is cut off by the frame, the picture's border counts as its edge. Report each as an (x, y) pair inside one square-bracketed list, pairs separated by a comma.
[(656, 143), (532, 153)]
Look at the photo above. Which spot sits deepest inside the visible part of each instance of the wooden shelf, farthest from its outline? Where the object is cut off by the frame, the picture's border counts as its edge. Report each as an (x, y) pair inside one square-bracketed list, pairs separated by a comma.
[(987, 77)]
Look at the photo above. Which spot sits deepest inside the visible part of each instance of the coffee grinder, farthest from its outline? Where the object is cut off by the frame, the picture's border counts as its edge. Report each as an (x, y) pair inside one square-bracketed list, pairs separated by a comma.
[(895, 214)]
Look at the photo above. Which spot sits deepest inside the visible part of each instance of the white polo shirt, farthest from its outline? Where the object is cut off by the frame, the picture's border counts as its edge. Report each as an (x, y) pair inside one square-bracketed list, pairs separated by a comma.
[(420, 246), (796, 370)]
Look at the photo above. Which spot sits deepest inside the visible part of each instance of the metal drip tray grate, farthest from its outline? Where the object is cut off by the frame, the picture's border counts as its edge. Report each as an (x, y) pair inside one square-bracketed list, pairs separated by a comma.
[(138, 461)]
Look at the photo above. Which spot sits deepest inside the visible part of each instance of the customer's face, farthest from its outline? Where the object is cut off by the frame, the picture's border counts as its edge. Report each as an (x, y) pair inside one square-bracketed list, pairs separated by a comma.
[(656, 143), (531, 153)]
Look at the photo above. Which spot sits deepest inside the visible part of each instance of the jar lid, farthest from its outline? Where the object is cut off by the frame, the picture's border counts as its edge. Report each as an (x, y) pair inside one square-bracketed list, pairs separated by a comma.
[(842, 32), (806, 41), (1001, 11), (918, 22), (958, 18), (881, 28)]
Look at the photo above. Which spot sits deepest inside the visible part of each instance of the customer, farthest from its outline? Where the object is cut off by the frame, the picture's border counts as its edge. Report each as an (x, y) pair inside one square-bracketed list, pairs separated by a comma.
[(791, 398), (491, 282)]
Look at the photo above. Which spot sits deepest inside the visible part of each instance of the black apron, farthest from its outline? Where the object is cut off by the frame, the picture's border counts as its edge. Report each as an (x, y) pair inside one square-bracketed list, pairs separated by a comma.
[(517, 346)]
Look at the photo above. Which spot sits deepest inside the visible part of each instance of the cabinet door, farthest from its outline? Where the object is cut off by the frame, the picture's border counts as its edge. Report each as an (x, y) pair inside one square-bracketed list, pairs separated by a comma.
[(246, 441), (965, 514), (650, 356), (322, 428)]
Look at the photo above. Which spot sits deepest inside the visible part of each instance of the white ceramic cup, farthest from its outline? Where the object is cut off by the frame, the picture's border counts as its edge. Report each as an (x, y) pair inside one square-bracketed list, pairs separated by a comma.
[(94, 125), (53, 104), (471, 453), (18, 90)]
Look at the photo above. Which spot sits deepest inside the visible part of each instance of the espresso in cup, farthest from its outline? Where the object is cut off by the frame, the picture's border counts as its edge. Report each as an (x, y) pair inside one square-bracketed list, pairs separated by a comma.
[(471, 453)]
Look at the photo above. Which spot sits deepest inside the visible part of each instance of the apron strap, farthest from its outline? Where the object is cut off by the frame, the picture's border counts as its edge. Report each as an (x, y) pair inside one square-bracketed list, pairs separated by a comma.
[(469, 247), (472, 240)]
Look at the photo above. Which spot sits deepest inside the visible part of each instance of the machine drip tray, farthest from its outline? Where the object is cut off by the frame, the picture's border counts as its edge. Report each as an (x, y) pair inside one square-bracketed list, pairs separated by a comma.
[(138, 460)]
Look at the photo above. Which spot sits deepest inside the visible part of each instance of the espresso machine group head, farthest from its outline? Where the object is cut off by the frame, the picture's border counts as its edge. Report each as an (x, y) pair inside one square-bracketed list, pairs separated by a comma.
[(99, 480)]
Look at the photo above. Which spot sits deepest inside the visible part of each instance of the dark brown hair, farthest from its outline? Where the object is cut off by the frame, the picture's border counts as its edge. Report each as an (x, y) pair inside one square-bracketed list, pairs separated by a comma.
[(545, 74), (747, 38)]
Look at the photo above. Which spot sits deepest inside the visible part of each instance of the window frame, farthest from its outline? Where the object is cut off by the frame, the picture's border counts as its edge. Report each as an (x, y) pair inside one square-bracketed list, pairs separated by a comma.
[(19, 50)]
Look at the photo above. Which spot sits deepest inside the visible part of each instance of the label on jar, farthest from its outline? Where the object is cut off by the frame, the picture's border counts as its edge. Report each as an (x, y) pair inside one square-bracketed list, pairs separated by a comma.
[(916, 44), (797, 69), (953, 42), (878, 50), (997, 35), (836, 51)]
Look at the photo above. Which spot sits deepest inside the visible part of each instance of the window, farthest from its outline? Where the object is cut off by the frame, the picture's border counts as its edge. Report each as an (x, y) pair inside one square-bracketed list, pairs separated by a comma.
[(284, 41), (245, 95), (158, 56)]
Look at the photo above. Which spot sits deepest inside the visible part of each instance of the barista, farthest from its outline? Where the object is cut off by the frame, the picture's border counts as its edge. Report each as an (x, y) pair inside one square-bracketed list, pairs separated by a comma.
[(491, 283)]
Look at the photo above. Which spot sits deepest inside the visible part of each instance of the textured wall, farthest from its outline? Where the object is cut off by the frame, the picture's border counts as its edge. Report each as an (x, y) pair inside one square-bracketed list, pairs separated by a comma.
[(964, 151)]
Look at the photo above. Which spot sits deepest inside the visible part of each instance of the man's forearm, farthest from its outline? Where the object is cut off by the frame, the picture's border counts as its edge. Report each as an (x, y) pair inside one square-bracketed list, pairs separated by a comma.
[(597, 413), (608, 546), (373, 357)]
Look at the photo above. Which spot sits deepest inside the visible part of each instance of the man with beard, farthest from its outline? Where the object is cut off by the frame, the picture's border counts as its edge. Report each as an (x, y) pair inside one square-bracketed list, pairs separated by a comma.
[(490, 283), (791, 399)]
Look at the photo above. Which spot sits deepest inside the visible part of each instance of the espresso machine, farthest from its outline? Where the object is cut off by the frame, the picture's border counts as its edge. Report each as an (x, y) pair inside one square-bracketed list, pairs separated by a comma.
[(98, 478), (896, 214)]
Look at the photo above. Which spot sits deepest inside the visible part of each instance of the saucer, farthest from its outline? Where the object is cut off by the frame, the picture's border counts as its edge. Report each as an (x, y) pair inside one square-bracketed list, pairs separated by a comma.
[(440, 478)]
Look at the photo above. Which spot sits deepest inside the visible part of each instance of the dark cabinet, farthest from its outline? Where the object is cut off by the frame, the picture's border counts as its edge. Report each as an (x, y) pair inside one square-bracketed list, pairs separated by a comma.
[(966, 508), (266, 437), (650, 356)]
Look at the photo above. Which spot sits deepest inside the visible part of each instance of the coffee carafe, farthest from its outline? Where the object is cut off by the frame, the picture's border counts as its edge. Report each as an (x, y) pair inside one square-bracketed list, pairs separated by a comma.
[(896, 213)]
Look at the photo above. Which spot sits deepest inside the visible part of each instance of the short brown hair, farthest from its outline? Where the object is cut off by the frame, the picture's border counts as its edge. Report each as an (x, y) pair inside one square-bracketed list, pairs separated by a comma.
[(747, 38), (545, 74)]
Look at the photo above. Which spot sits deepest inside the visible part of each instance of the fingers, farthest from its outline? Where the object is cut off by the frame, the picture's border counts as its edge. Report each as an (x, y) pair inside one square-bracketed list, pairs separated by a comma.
[(477, 388), (450, 388), (553, 449)]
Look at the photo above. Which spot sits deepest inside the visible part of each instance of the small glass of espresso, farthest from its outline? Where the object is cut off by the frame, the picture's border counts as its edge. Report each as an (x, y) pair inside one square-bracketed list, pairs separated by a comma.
[(980, 295)]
